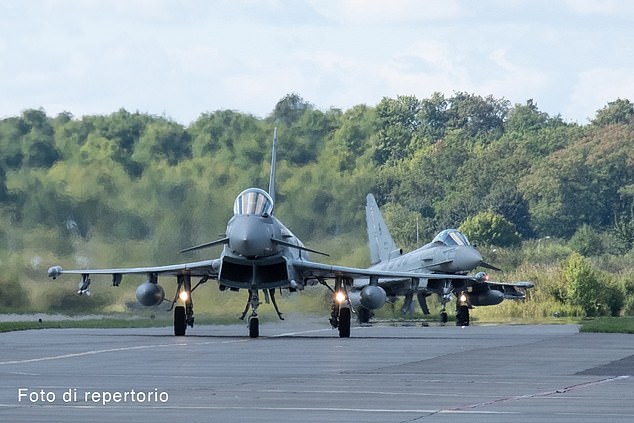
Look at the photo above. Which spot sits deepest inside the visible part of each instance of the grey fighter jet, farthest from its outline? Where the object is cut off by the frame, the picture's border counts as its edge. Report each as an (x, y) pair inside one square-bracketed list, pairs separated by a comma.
[(449, 253), (259, 254)]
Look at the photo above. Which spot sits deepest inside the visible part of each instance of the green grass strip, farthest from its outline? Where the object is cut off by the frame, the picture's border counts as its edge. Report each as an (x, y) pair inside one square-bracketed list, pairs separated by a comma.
[(608, 325)]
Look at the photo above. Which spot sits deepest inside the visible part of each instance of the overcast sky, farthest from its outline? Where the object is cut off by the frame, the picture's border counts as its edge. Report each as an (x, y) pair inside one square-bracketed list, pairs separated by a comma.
[(182, 58)]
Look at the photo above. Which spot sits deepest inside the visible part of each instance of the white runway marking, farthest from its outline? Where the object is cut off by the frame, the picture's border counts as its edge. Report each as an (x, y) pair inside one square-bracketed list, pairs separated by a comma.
[(111, 350), (145, 347)]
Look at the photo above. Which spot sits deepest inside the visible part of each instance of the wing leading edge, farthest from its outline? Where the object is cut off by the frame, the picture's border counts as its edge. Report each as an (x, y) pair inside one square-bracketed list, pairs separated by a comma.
[(198, 268), (311, 269)]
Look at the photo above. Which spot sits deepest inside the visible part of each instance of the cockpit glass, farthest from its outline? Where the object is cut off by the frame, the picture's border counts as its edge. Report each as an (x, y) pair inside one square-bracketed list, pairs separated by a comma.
[(253, 201), (451, 237)]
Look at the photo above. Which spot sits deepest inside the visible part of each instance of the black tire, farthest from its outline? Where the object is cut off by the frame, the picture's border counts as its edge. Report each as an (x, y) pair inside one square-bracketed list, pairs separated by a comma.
[(462, 316), (254, 327), (443, 317), (364, 315), (344, 323), (180, 324)]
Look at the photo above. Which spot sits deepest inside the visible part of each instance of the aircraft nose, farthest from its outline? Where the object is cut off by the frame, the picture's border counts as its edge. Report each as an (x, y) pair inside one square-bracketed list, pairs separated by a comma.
[(250, 236), (467, 258)]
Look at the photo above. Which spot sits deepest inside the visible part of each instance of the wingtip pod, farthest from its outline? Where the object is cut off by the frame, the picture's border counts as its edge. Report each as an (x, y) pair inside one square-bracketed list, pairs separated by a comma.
[(55, 271)]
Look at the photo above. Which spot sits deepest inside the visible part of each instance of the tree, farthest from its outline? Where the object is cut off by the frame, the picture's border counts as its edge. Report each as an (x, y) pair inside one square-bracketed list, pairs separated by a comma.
[(162, 140), (595, 292), (583, 182), (304, 140), (477, 116), (398, 125), (13, 296), (582, 284), (28, 140), (586, 241), (3, 184), (505, 200), (526, 117), (222, 132), (623, 231), (620, 111), (490, 229), (403, 225), (289, 109), (433, 117), (353, 136)]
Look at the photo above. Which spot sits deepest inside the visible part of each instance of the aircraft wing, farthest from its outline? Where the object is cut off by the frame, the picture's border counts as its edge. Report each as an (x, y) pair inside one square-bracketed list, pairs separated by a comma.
[(392, 279), (319, 270), (522, 284), (198, 268)]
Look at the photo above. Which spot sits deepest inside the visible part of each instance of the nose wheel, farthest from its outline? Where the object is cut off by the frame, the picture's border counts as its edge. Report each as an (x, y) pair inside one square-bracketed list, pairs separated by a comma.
[(254, 322), (254, 327)]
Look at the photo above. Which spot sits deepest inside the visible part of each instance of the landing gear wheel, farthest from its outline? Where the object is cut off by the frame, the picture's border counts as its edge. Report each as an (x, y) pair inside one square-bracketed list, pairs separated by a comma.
[(443, 317), (462, 316), (180, 323), (254, 327), (364, 315), (344, 322)]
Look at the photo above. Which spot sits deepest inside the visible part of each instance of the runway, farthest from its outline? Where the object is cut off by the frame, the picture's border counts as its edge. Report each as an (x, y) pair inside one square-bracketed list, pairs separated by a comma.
[(299, 370)]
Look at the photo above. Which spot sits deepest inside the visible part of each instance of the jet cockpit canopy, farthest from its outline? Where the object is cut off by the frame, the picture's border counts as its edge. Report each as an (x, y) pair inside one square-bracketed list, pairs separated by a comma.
[(253, 201), (451, 237)]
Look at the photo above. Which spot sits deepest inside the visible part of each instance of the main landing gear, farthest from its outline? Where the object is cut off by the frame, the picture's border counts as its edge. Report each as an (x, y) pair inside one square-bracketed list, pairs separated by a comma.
[(462, 315), (462, 305), (462, 309), (340, 315), (253, 302), (184, 314)]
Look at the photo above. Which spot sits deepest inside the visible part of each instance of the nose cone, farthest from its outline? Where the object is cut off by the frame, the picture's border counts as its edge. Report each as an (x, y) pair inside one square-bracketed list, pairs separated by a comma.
[(250, 236), (466, 259)]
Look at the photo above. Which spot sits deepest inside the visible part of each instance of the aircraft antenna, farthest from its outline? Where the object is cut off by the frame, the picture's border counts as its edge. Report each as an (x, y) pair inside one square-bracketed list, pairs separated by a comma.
[(273, 166)]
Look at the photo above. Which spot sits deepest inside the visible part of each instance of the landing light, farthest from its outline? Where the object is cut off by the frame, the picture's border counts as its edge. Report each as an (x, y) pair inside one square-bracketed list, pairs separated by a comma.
[(184, 296), (463, 298), (340, 297)]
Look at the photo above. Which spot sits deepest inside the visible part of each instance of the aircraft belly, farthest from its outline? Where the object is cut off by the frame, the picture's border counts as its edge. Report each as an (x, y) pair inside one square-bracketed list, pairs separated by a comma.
[(248, 274)]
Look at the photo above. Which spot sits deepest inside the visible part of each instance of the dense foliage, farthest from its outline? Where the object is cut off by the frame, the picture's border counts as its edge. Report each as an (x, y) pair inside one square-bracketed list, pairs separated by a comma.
[(130, 187)]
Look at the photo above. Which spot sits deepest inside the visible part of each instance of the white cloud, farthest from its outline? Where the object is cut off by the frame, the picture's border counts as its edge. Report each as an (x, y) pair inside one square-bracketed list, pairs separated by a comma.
[(616, 8), (373, 12), (185, 58), (596, 87), (513, 81)]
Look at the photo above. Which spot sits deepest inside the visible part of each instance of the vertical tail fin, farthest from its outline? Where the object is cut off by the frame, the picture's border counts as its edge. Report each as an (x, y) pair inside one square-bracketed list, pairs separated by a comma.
[(380, 242), (273, 166)]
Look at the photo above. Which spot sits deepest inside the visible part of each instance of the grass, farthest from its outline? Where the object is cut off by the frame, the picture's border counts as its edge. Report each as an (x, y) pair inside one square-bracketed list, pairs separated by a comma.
[(602, 324), (66, 324), (109, 323), (608, 325)]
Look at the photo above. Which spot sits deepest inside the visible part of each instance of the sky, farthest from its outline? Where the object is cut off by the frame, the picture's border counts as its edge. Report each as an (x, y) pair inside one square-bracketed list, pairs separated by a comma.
[(180, 59)]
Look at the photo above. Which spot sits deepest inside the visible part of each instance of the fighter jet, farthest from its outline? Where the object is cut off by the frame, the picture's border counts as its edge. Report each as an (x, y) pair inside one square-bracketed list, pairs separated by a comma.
[(259, 254), (450, 253)]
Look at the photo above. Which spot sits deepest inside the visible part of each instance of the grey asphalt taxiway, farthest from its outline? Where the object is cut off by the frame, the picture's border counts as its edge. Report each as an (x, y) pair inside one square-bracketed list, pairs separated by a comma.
[(299, 370)]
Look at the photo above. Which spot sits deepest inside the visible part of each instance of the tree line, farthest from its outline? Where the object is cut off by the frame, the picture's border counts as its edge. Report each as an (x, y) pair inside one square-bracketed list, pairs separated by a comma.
[(506, 174)]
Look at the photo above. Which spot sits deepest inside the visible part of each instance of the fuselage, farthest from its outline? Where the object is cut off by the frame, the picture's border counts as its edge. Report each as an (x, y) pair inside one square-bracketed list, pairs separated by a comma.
[(255, 256), (449, 252)]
